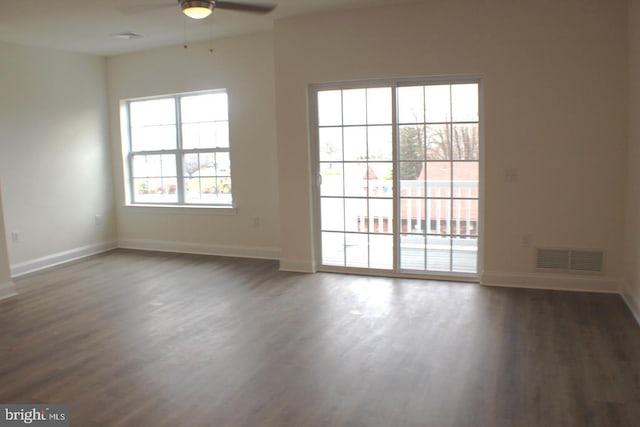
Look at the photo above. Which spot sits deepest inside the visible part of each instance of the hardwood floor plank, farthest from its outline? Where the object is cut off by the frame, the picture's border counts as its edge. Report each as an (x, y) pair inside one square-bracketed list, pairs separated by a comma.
[(133, 338)]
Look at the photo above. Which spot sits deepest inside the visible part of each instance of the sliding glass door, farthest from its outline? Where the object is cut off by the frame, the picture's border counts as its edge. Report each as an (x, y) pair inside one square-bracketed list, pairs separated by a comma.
[(401, 151), (439, 171), (355, 138)]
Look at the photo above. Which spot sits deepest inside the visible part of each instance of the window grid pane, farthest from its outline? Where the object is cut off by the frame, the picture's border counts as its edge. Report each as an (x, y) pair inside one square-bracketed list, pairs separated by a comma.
[(199, 144), (437, 162), (355, 139), (439, 197)]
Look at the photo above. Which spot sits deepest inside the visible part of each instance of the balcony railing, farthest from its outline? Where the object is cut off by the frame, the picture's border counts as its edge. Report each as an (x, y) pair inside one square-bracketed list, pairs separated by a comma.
[(439, 213), (438, 226)]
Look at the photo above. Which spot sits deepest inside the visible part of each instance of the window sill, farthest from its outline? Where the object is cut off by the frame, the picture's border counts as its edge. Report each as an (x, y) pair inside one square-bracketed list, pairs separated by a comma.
[(182, 210)]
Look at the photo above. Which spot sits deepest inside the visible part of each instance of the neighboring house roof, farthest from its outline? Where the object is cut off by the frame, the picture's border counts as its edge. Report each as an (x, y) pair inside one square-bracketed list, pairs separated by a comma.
[(441, 171), (370, 174)]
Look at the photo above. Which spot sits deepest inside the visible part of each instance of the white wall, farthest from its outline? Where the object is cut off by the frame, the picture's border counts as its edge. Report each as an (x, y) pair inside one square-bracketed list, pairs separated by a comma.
[(632, 248), (7, 288), (555, 83), (554, 78), (55, 162), (244, 66)]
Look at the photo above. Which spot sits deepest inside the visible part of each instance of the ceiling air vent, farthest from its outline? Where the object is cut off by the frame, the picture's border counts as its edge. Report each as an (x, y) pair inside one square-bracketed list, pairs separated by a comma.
[(570, 260), (127, 35)]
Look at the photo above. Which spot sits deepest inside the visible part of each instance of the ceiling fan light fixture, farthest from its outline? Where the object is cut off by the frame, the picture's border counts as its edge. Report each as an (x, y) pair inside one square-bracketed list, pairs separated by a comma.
[(197, 9)]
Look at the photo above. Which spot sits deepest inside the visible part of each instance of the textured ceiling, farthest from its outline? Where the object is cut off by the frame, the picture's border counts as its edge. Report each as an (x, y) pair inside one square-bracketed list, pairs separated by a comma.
[(88, 25)]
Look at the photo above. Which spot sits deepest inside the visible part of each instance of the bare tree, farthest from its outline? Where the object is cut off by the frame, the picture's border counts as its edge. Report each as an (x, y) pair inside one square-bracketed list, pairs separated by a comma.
[(194, 162), (439, 142), (452, 142)]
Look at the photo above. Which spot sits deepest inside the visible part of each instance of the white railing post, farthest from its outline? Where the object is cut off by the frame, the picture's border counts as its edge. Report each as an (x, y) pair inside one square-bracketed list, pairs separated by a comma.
[(438, 213), (458, 214), (418, 215), (468, 233)]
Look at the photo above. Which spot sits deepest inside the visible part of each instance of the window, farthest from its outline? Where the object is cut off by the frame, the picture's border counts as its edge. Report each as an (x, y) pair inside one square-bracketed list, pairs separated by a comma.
[(399, 166), (179, 150), (439, 151), (355, 137)]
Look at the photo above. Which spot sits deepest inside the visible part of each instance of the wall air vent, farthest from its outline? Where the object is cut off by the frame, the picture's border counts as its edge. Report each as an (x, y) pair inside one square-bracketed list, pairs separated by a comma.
[(554, 259), (570, 260), (587, 261)]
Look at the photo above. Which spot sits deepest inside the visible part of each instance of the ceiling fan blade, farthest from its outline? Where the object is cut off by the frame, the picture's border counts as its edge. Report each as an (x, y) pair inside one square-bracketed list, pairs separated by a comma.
[(245, 7), (141, 8)]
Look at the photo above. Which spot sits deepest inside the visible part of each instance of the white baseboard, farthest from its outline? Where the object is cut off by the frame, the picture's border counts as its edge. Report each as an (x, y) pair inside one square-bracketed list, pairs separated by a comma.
[(200, 248), (632, 302), (31, 266), (558, 282), (7, 290), (297, 266)]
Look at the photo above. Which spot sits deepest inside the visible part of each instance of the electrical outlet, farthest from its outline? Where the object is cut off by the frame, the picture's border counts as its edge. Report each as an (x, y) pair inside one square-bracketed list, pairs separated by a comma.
[(526, 241), (98, 219), (15, 236)]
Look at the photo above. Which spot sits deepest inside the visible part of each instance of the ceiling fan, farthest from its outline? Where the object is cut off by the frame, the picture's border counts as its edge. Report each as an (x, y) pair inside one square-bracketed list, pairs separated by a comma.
[(200, 9)]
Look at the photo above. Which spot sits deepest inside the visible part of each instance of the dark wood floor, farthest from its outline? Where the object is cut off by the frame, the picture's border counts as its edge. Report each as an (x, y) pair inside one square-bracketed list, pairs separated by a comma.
[(141, 339)]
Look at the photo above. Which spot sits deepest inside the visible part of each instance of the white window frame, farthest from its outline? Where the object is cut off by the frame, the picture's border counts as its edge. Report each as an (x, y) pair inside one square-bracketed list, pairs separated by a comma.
[(179, 152), (314, 159)]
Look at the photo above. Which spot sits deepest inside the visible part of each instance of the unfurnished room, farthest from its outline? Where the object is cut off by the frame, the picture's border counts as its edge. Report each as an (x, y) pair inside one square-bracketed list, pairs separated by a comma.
[(320, 213)]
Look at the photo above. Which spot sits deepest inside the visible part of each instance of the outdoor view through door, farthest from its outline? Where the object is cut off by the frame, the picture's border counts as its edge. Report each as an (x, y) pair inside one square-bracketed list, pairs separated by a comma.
[(399, 151)]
